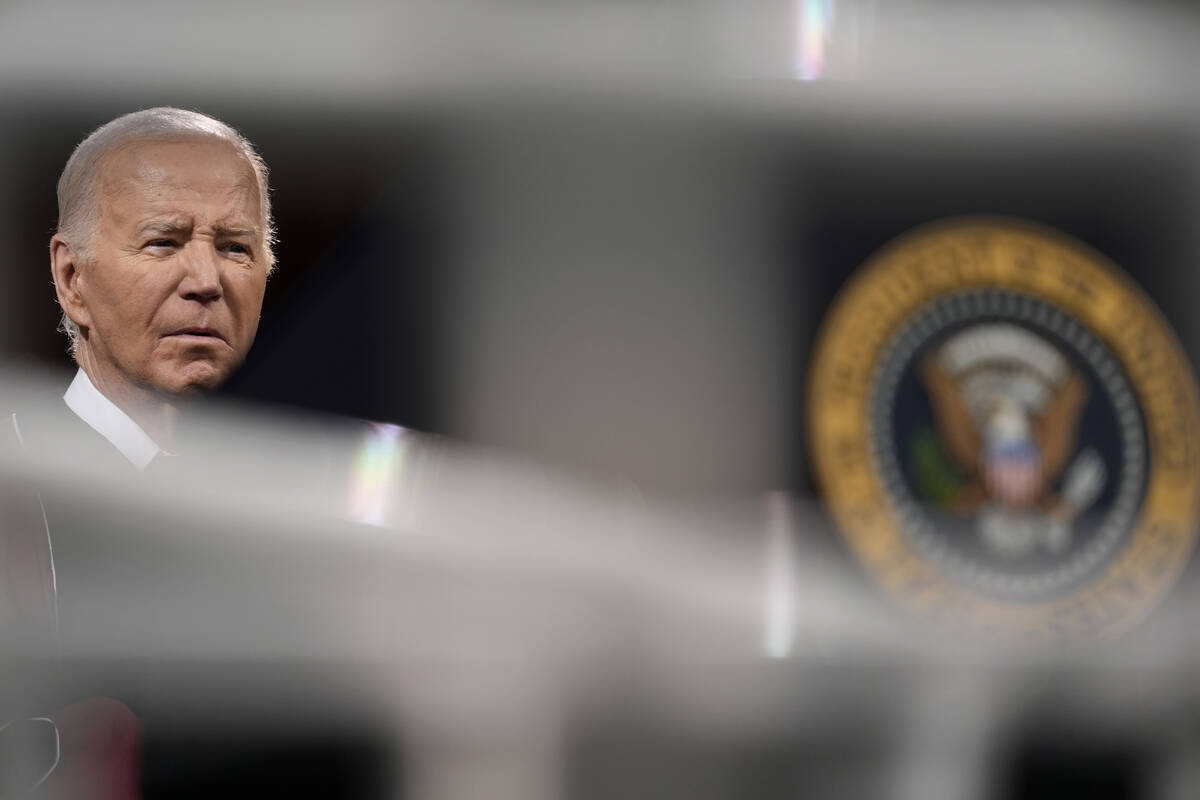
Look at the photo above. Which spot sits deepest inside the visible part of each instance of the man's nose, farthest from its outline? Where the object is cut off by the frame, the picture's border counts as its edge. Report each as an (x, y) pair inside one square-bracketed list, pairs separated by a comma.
[(202, 277)]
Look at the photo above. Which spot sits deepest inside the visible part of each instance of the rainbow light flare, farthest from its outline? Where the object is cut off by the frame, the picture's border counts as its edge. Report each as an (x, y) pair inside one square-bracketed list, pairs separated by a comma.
[(814, 29), (380, 460)]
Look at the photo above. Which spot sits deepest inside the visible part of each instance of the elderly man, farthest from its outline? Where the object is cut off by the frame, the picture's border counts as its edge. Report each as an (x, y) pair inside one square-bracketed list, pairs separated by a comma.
[(160, 263)]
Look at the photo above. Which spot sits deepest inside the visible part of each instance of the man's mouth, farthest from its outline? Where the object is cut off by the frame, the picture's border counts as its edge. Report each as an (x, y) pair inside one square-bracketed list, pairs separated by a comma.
[(210, 333)]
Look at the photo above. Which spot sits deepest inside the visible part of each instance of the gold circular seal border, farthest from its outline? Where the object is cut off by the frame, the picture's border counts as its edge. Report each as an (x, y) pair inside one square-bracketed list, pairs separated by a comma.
[(975, 253)]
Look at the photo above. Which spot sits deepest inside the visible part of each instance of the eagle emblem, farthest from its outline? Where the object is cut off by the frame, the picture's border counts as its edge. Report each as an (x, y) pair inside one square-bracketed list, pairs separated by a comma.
[(1005, 430), (1007, 406)]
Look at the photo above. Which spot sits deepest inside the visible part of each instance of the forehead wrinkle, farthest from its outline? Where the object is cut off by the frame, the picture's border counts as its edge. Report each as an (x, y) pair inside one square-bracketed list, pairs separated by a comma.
[(181, 224), (148, 185), (156, 204), (146, 172)]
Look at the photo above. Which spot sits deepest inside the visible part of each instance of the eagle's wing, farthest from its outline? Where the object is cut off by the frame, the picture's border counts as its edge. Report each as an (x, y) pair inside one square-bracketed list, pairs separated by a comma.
[(955, 423), (1057, 427)]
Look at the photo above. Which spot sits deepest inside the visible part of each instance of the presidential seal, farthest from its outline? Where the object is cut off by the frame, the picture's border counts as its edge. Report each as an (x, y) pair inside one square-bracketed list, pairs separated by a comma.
[(1006, 431)]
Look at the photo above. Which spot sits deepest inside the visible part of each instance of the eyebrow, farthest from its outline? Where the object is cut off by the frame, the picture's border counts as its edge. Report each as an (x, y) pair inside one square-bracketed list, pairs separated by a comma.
[(223, 230), (164, 226), (179, 226)]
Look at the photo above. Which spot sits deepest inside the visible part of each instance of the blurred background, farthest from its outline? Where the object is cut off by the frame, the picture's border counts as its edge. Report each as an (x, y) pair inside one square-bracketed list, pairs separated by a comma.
[(605, 233), (602, 236)]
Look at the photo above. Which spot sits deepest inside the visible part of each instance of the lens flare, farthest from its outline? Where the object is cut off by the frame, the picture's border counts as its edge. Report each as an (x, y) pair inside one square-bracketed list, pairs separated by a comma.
[(380, 461), (814, 27)]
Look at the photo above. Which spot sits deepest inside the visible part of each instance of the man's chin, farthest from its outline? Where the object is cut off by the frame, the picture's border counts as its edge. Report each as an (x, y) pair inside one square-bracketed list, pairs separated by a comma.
[(192, 379)]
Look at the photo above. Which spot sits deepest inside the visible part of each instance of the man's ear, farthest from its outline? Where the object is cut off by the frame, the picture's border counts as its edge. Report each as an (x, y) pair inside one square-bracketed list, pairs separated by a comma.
[(65, 262)]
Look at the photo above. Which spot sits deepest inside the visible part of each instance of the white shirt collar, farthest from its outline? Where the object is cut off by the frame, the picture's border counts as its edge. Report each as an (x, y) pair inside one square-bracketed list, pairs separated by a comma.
[(103, 415)]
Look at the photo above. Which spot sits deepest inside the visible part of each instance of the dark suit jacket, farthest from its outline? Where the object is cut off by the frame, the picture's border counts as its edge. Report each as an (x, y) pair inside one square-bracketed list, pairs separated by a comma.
[(228, 752)]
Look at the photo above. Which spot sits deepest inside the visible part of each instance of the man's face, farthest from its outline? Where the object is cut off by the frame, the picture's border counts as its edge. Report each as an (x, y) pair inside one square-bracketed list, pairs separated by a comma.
[(174, 286)]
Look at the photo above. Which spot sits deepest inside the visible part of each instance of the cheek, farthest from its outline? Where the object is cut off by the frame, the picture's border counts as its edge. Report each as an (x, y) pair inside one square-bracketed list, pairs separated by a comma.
[(120, 317), (134, 320), (248, 297), (129, 296)]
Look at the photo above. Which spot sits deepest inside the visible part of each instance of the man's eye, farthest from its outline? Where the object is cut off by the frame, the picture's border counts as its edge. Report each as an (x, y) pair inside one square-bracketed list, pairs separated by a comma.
[(236, 247), (160, 243)]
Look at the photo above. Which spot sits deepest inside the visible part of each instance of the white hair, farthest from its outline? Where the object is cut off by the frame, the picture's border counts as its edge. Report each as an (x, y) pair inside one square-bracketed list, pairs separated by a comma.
[(78, 210)]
